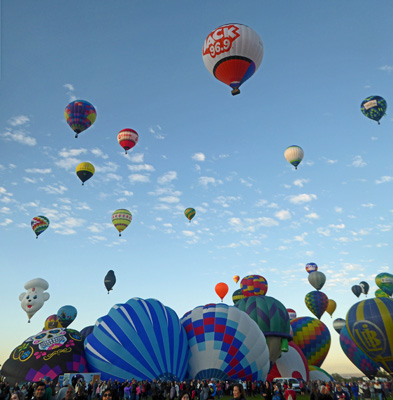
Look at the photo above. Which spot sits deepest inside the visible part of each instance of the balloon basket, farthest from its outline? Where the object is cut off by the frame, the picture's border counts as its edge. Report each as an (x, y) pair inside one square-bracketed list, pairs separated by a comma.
[(235, 91)]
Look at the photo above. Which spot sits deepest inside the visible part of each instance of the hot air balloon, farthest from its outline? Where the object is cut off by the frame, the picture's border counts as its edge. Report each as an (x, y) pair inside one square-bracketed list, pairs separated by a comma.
[(189, 213), (52, 322), (121, 219), (85, 171), (338, 324), (225, 343), (385, 282), (331, 307), (221, 290), (39, 224), (360, 359), (313, 338), (232, 53), (80, 115), (319, 374), (127, 139), (365, 287), (316, 302), (35, 296), (294, 155), (85, 332), (253, 285), (236, 278), (374, 107), (370, 325), (142, 339), (291, 313), (317, 279), (272, 319), (381, 293), (237, 295), (49, 353), (66, 315), (311, 267), (356, 290), (110, 280)]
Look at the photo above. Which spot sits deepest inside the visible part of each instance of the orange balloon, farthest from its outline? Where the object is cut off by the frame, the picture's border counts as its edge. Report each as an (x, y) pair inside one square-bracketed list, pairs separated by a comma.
[(222, 290), (236, 278)]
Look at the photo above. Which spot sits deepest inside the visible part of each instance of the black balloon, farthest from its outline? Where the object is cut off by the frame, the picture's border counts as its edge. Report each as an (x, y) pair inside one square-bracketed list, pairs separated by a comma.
[(110, 280), (85, 332), (357, 290)]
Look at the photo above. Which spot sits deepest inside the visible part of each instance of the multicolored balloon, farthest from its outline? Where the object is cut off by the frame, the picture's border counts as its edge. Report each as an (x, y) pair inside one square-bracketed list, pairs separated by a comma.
[(236, 278), (374, 107), (356, 290), (142, 339), (237, 295), (338, 324), (253, 285), (370, 325), (127, 139), (66, 315), (331, 307), (365, 287), (52, 322), (291, 313), (121, 219), (385, 282), (39, 224), (294, 155), (360, 359), (232, 53), (189, 213), (221, 290), (225, 343), (85, 171), (313, 338), (316, 302), (311, 267), (80, 115), (272, 319), (319, 374), (317, 279), (381, 293)]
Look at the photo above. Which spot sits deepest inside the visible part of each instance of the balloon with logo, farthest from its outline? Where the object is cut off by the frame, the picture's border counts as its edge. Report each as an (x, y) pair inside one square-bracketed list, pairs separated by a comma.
[(385, 282), (121, 219), (232, 53), (236, 278), (35, 296), (189, 213), (381, 293), (317, 279), (237, 295), (338, 324), (319, 374), (291, 313), (225, 343), (52, 322), (272, 319), (127, 139), (313, 338), (360, 359), (141, 338), (365, 287), (294, 155), (253, 285), (356, 290), (39, 224), (110, 280), (316, 302), (331, 307), (370, 325), (311, 267), (66, 315), (84, 171), (80, 115), (221, 290), (374, 107)]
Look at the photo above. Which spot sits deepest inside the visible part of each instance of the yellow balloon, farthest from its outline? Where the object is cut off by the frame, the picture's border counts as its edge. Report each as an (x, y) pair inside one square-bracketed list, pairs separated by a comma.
[(121, 219), (331, 307), (85, 171)]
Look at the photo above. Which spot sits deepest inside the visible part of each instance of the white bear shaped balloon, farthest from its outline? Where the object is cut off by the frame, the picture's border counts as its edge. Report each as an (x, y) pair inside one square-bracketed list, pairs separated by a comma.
[(34, 297)]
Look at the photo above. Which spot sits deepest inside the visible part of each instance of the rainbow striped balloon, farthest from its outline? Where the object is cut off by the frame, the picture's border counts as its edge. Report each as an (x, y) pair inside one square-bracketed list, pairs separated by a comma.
[(189, 213), (121, 219), (39, 224)]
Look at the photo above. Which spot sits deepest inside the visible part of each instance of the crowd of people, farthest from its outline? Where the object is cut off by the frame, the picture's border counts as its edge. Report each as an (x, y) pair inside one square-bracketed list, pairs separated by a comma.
[(212, 389)]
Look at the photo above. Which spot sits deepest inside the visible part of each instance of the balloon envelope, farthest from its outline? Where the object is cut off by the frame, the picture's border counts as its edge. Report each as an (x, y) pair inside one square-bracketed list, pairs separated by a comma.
[(331, 307), (365, 287), (110, 280), (338, 324), (66, 315), (189, 213), (319, 374), (374, 107), (237, 295), (316, 302), (221, 290), (385, 282), (121, 219), (311, 267), (39, 224), (253, 285), (356, 290), (85, 171), (294, 155), (291, 313), (80, 115), (127, 139), (236, 278), (232, 53), (317, 279), (381, 293), (52, 322)]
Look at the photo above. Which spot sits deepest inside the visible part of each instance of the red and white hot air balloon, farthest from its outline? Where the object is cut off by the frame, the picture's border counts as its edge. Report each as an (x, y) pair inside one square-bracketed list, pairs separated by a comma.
[(127, 139), (232, 53)]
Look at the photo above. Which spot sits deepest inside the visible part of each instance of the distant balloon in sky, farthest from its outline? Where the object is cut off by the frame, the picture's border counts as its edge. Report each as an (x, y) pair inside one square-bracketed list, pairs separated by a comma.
[(232, 53), (253, 285), (316, 302), (85, 171), (110, 280), (365, 287), (189, 213), (374, 107), (237, 295), (80, 115), (338, 324), (331, 307), (127, 139), (356, 290), (121, 219), (221, 290), (385, 282), (236, 278), (66, 315), (291, 313), (317, 279), (294, 155), (39, 224), (35, 296), (311, 267)]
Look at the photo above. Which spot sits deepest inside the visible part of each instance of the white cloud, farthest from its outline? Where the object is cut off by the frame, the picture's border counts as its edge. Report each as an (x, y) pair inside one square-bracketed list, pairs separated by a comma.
[(136, 157), (69, 86), (251, 224), (188, 233), (301, 238), (167, 178), (302, 198), (19, 120), (99, 153), (157, 132), (368, 205), (208, 180), (29, 180), (139, 178), (358, 162), (5, 210), (38, 171), (71, 152), (59, 189), (331, 161), (338, 209), (127, 193), (283, 215), (6, 222), (67, 163), (70, 91), (108, 167), (198, 157), (384, 179), (19, 136), (386, 68), (169, 199), (323, 232), (141, 167), (300, 182), (312, 216)]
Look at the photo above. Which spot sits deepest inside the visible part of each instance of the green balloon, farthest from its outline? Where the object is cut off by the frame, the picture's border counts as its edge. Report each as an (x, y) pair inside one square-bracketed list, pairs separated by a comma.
[(385, 282), (380, 293)]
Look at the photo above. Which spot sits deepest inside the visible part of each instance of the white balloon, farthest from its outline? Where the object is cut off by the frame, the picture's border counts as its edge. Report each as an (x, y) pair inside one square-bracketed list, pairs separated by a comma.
[(34, 297)]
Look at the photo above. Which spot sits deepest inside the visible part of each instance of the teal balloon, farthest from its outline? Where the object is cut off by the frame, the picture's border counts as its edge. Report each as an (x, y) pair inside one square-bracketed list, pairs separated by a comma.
[(66, 315), (316, 302), (374, 107), (385, 282)]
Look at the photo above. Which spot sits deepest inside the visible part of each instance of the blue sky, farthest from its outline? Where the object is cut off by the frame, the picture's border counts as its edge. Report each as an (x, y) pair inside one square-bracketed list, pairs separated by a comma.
[(140, 64)]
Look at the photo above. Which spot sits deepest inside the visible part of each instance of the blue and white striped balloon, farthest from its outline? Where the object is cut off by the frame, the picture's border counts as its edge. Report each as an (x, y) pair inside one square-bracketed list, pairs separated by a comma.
[(141, 339)]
